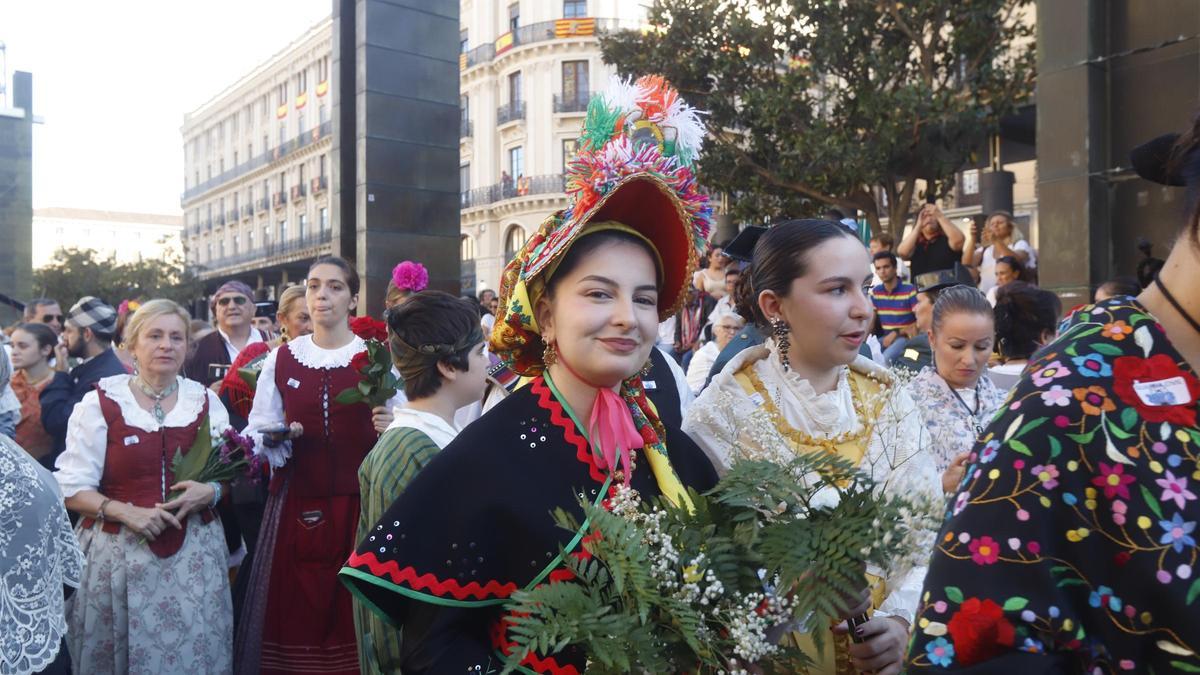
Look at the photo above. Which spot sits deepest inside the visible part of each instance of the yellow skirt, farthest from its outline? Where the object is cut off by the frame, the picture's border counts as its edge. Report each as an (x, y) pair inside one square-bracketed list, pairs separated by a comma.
[(835, 658)]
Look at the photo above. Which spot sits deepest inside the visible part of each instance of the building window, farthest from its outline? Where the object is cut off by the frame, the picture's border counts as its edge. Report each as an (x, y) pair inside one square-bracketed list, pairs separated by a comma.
[(302, 81), (514, 16), (322, 114), (574, 9), (569, 146), (303, 233), (324, 215), (970, 182), (464, 107), (282, 134), (208, 252), (323, 69), (514, 239), (514, 88), (283, 230), (516, 162), (250, 239), (281, 93), (575, 83), (300, 121), (467, 247), (462, 42), (322, 166), (235, 242), (464, 178), (266, 236)]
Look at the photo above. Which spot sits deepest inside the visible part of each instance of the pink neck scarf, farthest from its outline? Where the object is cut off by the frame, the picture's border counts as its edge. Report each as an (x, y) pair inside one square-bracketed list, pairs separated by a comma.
[(610, 428)]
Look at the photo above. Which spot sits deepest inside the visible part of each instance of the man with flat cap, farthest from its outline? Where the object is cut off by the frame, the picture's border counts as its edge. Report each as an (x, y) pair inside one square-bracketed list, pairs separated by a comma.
[(233, 308), (87, 336)]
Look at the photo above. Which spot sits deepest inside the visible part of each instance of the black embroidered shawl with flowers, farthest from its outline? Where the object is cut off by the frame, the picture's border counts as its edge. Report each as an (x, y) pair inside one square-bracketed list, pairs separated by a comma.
[(1071, 546), (474, 526)]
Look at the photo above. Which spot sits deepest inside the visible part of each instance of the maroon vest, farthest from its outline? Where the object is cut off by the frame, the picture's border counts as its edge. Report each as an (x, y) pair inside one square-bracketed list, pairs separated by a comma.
[(137, 468), (336, 438)]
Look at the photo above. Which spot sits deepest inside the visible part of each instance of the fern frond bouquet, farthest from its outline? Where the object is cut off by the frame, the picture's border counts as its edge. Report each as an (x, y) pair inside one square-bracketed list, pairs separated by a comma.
[(772, 549)]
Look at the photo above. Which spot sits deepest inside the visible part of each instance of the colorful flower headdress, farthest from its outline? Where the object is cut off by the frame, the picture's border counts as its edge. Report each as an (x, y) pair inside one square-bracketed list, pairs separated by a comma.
[(633, 167)]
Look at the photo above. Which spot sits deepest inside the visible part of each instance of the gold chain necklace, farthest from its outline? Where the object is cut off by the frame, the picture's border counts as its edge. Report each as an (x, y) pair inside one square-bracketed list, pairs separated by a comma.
[(802, 439)]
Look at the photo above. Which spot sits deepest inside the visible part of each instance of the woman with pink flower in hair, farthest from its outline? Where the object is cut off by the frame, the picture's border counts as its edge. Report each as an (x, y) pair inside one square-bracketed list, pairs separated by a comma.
[(407, 278)]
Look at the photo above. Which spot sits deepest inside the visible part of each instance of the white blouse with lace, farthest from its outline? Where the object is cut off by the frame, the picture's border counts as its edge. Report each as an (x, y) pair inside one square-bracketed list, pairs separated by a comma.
[(728, 424), (267, 410), (81, 465)]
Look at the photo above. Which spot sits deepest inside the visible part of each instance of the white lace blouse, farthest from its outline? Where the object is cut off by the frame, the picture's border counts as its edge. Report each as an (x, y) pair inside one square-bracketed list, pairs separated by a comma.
[(81, 465), (728, 424)]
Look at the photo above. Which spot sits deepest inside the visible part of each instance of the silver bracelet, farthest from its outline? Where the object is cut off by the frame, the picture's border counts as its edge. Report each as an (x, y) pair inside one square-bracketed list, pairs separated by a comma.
[(216, 494)]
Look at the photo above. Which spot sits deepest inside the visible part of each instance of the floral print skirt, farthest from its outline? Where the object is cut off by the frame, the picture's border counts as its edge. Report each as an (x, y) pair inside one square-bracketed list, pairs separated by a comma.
[(137, 613)]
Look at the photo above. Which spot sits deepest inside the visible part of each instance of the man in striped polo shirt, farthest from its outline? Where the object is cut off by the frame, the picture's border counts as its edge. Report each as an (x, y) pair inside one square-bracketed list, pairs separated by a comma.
[(894, 301)]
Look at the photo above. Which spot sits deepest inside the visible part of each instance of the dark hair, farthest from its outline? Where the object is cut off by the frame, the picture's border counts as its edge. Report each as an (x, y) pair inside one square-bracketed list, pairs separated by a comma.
[(733, 269), (32, 306), (1012, 262), (884, 255), (959, 299), (780, 256), (479, 297), (1024, 313), (1185, 162), (432, 318), (41, 332), (835, 214), (1121, 286), (589, 243), (885, 239), (347, 269)]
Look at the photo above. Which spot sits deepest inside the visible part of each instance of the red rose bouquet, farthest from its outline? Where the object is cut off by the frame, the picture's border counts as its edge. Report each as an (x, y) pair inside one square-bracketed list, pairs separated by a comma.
[(378, 383)]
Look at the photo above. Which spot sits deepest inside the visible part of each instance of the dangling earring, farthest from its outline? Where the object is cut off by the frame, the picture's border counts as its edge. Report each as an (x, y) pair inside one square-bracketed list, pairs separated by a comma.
[(780, 328), (549, 354), (136, 372)]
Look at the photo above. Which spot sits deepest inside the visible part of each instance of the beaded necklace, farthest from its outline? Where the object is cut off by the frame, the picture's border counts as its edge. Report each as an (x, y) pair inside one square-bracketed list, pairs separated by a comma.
[(802, 439)]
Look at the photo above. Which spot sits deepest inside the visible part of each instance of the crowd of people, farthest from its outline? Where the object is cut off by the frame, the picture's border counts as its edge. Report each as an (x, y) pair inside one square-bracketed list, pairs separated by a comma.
[(384, 533)]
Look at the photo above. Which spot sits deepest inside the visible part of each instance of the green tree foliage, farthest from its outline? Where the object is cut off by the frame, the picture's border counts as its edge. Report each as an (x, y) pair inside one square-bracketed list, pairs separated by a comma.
[(73, 273), (837, 102)]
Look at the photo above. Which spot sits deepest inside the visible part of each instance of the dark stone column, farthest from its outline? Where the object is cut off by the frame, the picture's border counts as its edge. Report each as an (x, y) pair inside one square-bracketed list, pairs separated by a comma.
[(1110, 76), (16, 197), (1072, 147), (396, 140)]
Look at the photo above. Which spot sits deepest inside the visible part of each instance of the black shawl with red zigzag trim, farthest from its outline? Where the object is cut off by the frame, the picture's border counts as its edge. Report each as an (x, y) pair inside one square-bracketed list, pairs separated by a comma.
[(475, 526)]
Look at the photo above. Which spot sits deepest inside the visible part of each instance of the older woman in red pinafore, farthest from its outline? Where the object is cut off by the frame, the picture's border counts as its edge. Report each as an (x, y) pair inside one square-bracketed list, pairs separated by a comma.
[(155, 595), (298, 617)]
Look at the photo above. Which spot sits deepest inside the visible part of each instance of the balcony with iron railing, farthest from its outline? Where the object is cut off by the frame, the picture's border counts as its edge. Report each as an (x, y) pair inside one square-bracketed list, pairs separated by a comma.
[(267, 253), (511, 189), (299, 191), (543, 31), (263, 204), (319, 185), (232, 216), (219, 219), (301, 140), (247, 210), (278, 199), (571, 102), (510, 112)]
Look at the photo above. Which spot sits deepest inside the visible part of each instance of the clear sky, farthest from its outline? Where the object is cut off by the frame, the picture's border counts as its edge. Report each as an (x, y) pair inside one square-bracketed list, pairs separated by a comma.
[(112, 81)]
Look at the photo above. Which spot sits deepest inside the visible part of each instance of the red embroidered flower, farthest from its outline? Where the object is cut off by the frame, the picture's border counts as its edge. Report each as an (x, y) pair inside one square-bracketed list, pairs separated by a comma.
[(360, 361), (1113, 480), (979, 631), (369, 328), (1130, 369), (984, 550)]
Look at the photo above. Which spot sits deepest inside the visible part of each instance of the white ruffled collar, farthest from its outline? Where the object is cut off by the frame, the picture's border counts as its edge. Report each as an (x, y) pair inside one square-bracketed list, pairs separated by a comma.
[(318, 358), (188, 405)]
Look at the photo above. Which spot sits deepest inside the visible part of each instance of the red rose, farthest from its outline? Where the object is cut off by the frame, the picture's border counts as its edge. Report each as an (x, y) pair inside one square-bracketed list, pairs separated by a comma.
[(979, 631), (360, 361), (369, 328), (1130, 369)]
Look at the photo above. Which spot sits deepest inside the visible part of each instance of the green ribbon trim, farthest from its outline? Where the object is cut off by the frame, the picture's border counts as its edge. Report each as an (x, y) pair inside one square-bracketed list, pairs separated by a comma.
[(420, 596), (566, 406)]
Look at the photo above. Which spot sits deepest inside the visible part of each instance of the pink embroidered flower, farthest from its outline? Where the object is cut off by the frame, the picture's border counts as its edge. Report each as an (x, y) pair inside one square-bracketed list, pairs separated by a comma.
[(1175, 489), (1113, 480), (1047, 474), (984, 551), (1056, 396), (1119, 509), (1052, 371)]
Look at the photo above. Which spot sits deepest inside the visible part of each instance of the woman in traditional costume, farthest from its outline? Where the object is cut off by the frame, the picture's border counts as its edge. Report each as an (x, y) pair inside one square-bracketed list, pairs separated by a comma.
[(807, 389), (1071, 546), (155, 591), (955, 396), (297, 617), (581, 305)]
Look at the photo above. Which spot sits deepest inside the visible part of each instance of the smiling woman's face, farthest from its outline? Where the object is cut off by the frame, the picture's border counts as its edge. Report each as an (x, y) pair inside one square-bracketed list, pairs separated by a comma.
[(603, 316)]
